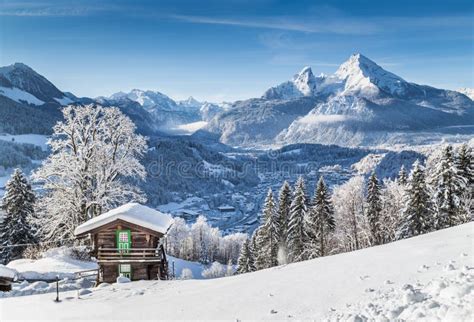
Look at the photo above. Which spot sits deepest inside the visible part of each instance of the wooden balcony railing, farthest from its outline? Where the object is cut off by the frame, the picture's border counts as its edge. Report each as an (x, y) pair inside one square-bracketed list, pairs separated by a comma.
[(129, 255)]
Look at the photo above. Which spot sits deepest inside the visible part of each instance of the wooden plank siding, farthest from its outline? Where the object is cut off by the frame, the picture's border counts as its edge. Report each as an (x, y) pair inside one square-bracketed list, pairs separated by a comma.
[(141, 238)]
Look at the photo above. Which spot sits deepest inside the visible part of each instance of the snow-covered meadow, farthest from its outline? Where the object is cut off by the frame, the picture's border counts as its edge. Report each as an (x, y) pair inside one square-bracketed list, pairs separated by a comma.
[(429, 277)]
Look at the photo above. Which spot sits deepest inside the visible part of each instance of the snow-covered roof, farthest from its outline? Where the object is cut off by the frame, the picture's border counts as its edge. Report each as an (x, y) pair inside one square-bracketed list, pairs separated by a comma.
[(133, 213), (6, 272)]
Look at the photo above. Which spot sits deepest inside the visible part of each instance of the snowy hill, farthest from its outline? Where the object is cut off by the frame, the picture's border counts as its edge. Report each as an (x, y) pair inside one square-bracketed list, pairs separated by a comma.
[(429, 278), (360, 104)]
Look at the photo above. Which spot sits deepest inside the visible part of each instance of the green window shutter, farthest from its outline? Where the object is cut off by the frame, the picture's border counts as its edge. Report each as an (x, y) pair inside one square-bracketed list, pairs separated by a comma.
[(124, 240)]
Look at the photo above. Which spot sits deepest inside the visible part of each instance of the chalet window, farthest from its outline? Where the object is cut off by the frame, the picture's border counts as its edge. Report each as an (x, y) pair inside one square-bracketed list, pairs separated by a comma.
[(124, 240), (125, 270)]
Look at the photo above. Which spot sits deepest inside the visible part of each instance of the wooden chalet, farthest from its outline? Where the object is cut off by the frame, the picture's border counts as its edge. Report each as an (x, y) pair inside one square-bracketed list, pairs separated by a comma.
[(127, 241)]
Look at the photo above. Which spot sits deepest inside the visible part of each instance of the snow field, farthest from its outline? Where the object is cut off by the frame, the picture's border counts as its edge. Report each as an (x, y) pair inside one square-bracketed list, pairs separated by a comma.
[(325, 288)]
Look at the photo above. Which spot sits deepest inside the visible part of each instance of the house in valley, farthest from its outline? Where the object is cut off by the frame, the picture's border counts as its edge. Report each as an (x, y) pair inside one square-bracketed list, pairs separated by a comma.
[(128, 241)]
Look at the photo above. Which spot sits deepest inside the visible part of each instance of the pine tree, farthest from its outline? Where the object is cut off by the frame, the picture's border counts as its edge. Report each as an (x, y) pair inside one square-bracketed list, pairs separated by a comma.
[(283, 213), (465, 167), (298, 209), (245, 261), (16, 228), (374, 208), (448, 186), (417, 213), (465, 164), (319, 223), (402, 176), (268, 235)]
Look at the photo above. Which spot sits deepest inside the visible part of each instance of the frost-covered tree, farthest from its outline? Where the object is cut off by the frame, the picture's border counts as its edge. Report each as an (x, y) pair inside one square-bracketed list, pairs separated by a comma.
[(402, 175), (352, 230), (417, 217), (216, 270), (16, 229), (246, 262), (448, 186), (202, 243), (93, 163), (298, 210), (393, 203), (319, 223), (283, 214), (374, 208), (186, 274)]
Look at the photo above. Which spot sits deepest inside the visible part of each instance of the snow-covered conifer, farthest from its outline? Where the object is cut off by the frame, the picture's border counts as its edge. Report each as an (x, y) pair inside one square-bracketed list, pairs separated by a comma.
[(448, 186), (16, 228), (465, 167), (402, 176), (319, 223), (268, 237), (417, 217), (246, 263), (298, 209), (283, 214), (374, 208), (465, 164)]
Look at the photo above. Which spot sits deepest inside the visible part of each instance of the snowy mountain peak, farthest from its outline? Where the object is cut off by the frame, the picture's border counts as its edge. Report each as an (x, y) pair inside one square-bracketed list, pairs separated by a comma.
[(190, 102), (21, 83), (469, 92), (364, 76), (306, 72), (147, 99)]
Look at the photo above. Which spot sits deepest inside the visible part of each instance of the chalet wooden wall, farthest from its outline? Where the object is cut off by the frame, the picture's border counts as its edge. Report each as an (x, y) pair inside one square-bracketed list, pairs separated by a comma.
[(140, 271), (105, 238)]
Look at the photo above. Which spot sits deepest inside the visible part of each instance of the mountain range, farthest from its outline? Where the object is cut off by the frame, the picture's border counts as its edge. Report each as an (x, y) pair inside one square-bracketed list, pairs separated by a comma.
[(360, 104)]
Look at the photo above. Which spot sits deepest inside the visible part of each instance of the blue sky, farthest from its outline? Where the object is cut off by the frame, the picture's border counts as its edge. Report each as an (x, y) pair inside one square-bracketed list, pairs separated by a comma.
[(228, 50)]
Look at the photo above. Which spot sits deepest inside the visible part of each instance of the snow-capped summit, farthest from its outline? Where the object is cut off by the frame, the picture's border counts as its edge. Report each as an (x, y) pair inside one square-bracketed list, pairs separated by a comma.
[(469, 92), (190, 102), (362, 75), (305, 81), (303, 84), (148, 99), (21, 83)]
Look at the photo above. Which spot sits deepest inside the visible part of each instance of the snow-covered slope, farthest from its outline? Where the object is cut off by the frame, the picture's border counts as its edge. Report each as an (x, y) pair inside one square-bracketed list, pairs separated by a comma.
[(428, 278)]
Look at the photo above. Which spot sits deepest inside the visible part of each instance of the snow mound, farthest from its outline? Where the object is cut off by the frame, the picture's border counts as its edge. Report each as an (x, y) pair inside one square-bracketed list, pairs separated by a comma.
[(133, 213), (122, 280), (447, 298), (55, 262)]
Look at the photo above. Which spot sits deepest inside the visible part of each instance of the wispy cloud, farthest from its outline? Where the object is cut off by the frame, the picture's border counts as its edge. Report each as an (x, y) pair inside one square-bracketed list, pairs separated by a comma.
[(285, 23), (49, 9), (337, 24)]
